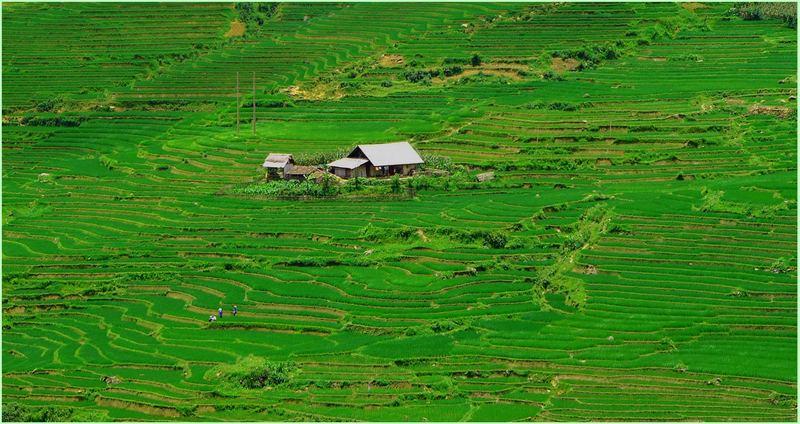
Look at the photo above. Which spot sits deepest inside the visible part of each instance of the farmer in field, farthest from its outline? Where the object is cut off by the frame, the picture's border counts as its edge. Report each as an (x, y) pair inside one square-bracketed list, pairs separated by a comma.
[(220, 311), (235, 310), (211, 318)]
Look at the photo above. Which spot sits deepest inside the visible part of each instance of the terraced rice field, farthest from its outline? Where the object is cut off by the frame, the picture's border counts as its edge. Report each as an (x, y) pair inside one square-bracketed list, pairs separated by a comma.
[(646, 191)]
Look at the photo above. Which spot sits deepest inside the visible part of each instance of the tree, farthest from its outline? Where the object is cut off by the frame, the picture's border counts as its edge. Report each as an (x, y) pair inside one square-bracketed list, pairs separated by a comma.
[(475, 60), (327, 187), (395, 184)]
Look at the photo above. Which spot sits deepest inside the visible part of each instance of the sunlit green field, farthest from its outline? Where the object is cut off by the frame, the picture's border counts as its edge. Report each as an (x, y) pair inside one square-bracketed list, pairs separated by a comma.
[(634, 258)]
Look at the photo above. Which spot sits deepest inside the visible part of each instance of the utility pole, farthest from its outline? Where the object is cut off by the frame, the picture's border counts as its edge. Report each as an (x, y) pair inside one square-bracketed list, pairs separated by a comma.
[(238, 101), (254, 103)]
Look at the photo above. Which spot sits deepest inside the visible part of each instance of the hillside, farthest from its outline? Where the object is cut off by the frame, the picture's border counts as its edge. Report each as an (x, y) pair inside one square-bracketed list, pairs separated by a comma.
[(634, 257)]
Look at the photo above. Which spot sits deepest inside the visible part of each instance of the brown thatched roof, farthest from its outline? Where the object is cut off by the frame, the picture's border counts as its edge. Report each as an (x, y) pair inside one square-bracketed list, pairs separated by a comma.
[(301, 170)]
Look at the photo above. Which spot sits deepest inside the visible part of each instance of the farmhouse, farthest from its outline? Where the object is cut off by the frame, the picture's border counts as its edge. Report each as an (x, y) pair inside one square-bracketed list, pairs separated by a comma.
[(377, 160), (278, 165)]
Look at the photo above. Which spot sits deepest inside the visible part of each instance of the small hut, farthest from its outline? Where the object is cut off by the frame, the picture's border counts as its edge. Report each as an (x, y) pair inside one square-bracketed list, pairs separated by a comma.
[(278, 165), (349, 167)]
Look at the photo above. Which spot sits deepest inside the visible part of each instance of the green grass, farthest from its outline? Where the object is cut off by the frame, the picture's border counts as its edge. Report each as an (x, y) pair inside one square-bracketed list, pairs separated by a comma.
[(634, 258)]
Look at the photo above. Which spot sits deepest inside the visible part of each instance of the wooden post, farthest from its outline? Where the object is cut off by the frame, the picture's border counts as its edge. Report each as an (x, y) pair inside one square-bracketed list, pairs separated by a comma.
[(254, 103), (238, 101)]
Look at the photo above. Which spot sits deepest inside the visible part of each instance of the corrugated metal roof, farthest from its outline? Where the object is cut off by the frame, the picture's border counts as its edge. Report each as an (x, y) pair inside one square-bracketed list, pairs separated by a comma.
[(387, 154), (277, 160), (348, 163)]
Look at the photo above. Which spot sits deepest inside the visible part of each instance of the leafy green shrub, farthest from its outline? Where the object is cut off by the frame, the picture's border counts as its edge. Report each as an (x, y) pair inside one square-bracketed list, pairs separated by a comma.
[(591, 56), (254, 15), (395, 184), (552, 76), (350, 85), (783, 399), (321, 158), (439, 162), (690, 57), (475, 60), (56, 121), (187, 411), (449, 71), (569, 107), (495, 240), (667, 345), (783, 265), (49, 104), (372, 233), (445, 326), (254, 372), (274, 104), (108, 162), (455, 60), (289, 188), (13, 412), (420, 76), (573, 243)]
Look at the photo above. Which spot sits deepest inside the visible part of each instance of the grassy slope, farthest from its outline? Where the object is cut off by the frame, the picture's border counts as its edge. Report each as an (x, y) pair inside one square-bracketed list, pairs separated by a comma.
[(117, 255)]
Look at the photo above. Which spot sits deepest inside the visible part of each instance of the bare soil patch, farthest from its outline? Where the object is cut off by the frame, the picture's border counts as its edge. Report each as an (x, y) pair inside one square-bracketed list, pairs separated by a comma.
[(237, 29), (691, 6), (317, 92), (779, 111), (16, 310), (560, 65), (391, 60), (161, 411), (496, 72)]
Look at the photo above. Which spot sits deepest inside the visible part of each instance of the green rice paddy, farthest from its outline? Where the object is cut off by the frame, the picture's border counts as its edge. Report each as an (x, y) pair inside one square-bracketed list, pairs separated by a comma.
[(634, 258)]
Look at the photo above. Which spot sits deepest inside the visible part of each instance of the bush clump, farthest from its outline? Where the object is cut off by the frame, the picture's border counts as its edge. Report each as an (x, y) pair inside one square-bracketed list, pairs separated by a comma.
[(49, 105), (591, 56), (421, 76), (491, 239), (563, 106), (56, 121), (552, 76), (449, 71), (475, 60), (783, 265), (290, 188), (756, 11), (254, 15), (254, 372), (14, 412)]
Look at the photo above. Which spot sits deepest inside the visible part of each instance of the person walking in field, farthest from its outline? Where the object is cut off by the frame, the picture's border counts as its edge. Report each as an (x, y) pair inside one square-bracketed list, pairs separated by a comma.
[(220, 312), (235, 310)]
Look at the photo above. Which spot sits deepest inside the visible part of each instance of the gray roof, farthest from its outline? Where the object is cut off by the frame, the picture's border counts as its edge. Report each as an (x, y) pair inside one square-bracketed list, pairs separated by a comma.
[(348, 163), (390, 154), (277, 160)]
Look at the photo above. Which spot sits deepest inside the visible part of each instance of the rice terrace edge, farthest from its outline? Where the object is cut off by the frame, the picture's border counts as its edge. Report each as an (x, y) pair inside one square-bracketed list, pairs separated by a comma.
[(399, 211)]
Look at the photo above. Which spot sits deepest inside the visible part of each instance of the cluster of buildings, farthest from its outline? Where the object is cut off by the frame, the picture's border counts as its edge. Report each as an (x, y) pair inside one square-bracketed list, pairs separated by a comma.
[(366, 160)]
